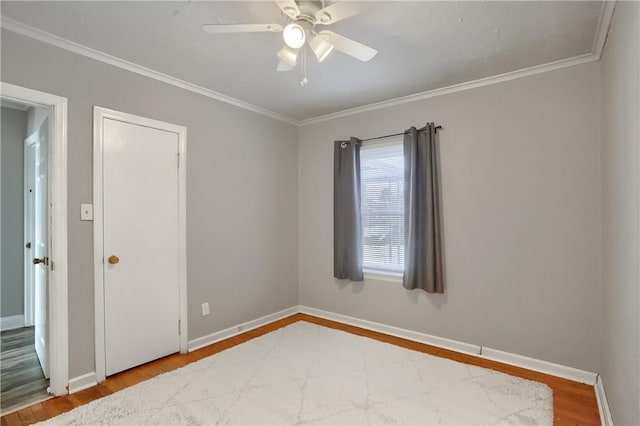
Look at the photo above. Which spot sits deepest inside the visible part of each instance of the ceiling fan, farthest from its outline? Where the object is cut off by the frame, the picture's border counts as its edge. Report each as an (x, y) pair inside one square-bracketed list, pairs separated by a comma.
[(303, 17)]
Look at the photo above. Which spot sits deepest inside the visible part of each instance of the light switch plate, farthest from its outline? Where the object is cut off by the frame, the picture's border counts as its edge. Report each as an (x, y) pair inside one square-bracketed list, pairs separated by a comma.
[(205, 309), (86, 211)]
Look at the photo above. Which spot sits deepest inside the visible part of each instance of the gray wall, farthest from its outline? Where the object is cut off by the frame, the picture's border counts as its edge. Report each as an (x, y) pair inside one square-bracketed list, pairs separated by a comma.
[(620, 163), (242, 207), (14, 132), (521, 202)]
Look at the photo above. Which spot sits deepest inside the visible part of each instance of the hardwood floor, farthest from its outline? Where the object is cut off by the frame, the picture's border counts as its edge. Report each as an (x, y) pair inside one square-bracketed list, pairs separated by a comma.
[(21, 378), (573, 403)]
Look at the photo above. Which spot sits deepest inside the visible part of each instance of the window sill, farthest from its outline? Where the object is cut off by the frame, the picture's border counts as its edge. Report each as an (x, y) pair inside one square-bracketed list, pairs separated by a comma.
[(378, 275)]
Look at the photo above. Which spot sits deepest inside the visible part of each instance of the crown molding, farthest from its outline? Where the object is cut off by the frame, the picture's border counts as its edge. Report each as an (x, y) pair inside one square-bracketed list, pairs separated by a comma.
[(606, 15), (45, 37), (487, 81)]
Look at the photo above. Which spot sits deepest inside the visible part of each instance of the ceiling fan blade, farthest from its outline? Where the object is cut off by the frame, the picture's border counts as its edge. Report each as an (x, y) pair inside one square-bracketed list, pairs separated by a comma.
[(348, 46), (241, 28), (337, 12), (288, 7), (282, 66)]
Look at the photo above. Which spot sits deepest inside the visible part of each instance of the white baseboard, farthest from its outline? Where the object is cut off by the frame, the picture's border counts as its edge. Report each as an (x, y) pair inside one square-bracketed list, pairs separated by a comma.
[(454, 345), (603, 404), (9, 323), (88, 380), (415, 336), (539, 365), (209, 339), (533, 364), (85, 381)]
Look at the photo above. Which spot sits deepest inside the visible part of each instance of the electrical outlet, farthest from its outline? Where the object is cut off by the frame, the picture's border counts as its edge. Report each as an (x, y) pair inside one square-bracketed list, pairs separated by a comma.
[(205, 309)]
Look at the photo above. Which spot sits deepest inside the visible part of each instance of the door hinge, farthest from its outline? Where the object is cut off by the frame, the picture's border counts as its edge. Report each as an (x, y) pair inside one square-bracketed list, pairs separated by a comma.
[(53, 266), (178, 165), (179, 327)]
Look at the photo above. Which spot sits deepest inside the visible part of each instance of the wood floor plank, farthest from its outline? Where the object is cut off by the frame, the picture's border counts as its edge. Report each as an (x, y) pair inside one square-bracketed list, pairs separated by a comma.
[(58, 405), (574, 403), (39, 412), (12, 419), (26, 416), (126, 379), (88, 395), (102, 389)]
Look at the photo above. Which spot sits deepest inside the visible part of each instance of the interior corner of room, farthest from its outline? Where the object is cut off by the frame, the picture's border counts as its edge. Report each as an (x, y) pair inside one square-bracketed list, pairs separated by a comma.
[(540, 188)]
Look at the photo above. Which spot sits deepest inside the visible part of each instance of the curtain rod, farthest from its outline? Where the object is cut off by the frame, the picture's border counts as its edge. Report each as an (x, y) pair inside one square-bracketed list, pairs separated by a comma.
[(397, 134)]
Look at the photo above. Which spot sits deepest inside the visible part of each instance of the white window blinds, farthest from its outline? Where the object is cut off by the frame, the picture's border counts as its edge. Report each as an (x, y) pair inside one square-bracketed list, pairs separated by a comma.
[(382, 183)]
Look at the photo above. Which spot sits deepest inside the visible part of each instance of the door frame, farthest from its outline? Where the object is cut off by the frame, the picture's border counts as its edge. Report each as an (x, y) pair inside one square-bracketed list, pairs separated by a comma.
[(99, 114), (58, 321)]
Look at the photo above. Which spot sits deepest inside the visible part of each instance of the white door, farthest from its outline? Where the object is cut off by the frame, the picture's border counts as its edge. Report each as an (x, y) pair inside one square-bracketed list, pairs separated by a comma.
[(36, 227), (30, 145), (141, 244)]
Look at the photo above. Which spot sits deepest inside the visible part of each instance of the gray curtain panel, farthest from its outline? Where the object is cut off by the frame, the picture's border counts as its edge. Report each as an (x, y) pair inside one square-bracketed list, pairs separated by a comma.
[(347, 217), (423, 265)]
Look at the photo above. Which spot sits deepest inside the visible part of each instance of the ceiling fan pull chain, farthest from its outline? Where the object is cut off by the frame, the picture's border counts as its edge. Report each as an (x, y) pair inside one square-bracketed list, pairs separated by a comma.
[(303, 60)]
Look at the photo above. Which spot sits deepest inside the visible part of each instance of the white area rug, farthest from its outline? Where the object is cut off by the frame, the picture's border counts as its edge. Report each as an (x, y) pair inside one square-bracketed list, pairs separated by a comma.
[(308, 374)]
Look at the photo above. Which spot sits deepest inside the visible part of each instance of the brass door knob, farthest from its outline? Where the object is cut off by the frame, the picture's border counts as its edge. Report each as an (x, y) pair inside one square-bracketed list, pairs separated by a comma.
[(113, 259)]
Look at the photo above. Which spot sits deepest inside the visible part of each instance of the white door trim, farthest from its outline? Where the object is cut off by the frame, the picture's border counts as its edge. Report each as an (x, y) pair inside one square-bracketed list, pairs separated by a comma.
[(99, 114), (58, 275)]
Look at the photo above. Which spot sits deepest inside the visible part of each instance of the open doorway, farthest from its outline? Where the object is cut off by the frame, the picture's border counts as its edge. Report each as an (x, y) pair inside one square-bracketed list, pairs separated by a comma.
[(24, 373), (33, 255)]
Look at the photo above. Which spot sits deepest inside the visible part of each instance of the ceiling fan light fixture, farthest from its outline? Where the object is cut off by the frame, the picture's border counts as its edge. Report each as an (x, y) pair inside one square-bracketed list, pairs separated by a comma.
[(294, 35), (288, 55), (283, 67), (321, 47)]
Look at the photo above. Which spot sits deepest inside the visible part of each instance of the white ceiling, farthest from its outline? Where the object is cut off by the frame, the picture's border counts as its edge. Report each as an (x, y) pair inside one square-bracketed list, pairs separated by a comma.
[(421, 45)]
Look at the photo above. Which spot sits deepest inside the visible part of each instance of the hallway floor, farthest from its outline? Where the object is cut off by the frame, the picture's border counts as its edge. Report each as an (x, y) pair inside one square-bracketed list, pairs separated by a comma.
[(21, 378)]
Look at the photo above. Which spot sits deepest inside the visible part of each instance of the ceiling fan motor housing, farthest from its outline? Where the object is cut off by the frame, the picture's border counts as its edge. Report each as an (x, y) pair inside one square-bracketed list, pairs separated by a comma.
[(308, 10)]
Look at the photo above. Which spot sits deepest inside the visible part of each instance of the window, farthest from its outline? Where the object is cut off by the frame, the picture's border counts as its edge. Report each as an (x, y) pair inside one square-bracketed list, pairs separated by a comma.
[(382, 186)]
